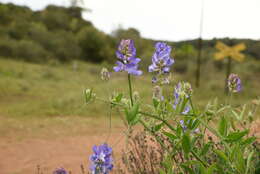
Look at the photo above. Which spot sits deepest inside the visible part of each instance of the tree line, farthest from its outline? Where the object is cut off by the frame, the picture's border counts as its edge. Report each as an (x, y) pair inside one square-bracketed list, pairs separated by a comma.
[(61, 34)]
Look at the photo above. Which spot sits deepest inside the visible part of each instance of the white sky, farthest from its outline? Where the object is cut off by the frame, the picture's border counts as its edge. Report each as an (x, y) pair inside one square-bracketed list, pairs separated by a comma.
[(170, 19)]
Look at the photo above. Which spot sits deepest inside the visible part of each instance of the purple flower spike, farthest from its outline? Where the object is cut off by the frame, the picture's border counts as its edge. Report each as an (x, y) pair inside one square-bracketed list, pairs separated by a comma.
[(234, 83), (60, 171), (101, 159), (161, 60), (127, 60)]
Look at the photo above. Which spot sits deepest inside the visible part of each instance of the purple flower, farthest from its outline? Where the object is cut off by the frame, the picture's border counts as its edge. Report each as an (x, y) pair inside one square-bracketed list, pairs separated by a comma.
[(161, 60), (234, 83), (101, 159), (186, 110), (60, 171), (127, 60), (154, 79), (182, 90), (184, 127), (176, 95)]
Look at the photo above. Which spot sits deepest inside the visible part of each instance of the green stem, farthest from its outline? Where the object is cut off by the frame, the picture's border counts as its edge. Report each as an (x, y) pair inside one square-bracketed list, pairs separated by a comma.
[(157, 138), (110, 102), (130, 89), (227, 74), (198, 158), (158, 118), (193, 109)]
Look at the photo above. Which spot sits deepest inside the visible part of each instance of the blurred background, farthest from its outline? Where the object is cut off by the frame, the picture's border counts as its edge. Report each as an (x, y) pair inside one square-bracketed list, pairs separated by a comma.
[(51, 50)]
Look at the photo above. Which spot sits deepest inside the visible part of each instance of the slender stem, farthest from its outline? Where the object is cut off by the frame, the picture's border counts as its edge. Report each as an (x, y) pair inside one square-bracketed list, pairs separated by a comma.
[(158, 118), (156, 137), (198, 158), (130, 89), (110, 102), (193, 109), (227, 74)]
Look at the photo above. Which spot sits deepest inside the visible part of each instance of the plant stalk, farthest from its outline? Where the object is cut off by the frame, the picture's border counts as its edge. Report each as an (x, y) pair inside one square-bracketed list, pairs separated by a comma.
[(130, 89)]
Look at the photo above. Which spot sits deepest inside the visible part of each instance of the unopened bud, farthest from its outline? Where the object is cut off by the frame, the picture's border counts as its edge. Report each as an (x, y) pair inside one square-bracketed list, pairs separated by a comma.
[(89, 95), (105, 74)]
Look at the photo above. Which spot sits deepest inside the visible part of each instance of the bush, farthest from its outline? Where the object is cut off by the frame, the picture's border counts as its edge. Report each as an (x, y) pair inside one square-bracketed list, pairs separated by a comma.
[(93, 44), (30, 51), (65, 46), (7, 47)]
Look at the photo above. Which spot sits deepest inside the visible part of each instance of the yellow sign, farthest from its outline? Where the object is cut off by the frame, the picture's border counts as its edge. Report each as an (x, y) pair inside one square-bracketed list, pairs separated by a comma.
[(233, 52)]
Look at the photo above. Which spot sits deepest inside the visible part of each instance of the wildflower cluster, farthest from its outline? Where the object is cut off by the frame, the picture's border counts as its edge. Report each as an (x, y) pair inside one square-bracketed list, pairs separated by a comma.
[(127, 60), (101, 159), (234, 83), (161, 60), (182, 92), (178, 120), (60, 171)]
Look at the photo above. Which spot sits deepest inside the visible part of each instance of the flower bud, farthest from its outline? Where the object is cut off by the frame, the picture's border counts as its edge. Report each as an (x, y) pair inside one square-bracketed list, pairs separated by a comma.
[(89, 95), (157, 93), (105, 74)]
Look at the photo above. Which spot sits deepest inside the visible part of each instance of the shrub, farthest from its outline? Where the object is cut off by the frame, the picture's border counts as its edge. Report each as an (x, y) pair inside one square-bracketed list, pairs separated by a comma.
[(93, 45), (7, 47), (30, 51)]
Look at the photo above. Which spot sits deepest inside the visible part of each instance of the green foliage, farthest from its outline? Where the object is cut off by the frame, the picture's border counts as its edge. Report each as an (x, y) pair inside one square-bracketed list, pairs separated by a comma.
[(52, 33), (61, 34), (209, 140), (94, 45)]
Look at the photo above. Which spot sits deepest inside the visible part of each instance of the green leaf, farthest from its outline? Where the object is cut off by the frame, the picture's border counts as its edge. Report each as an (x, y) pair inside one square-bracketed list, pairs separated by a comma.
[(157, 127), (131, 115), (186, 144), (183, 104), (236, 136), (119, 97), (194, 124), (205, 149), (233, 152), (249, 158), (170, 135), (241, 115), (161, 171), (187, 169), (155, 102), (211, 169), (235, 114), (202, 169), (248, 141), (240, 162), (221, 155), (222, 127)]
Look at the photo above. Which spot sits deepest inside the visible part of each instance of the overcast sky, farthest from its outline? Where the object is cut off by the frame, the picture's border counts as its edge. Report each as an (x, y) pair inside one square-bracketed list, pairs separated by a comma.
[(170, 19)]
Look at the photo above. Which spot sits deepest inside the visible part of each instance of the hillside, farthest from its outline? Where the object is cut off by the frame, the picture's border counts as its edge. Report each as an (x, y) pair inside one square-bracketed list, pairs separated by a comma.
[(61, 34)]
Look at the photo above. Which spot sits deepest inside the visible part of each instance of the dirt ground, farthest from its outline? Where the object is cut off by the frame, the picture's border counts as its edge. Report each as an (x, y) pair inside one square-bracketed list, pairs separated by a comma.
[(69, 152), (23, 157)]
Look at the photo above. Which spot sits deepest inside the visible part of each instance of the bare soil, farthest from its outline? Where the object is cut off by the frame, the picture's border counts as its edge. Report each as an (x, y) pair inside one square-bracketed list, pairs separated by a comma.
[(69, 152), (23, 156)]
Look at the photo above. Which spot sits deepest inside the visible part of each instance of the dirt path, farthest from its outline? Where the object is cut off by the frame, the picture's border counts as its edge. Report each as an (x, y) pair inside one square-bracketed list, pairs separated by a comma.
[(23, 156), (69, 152)]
